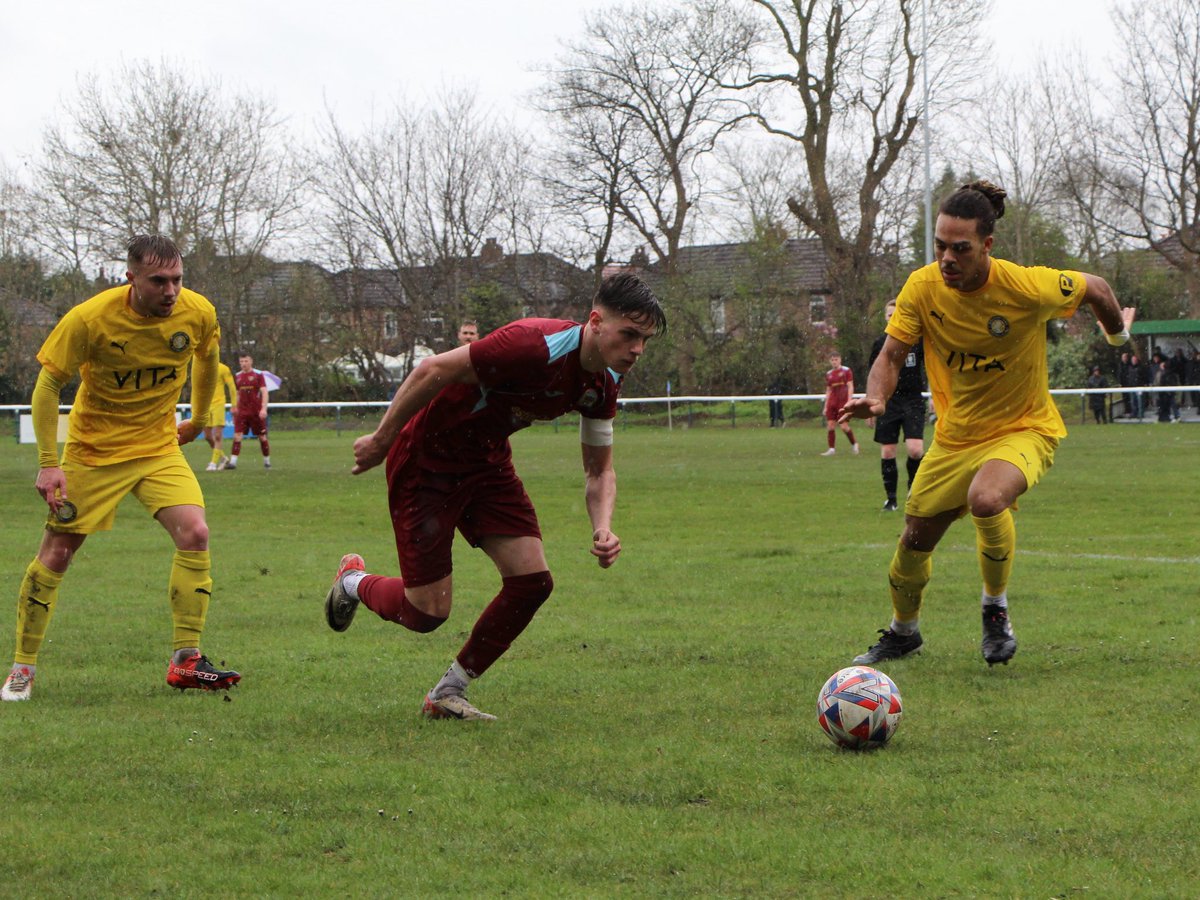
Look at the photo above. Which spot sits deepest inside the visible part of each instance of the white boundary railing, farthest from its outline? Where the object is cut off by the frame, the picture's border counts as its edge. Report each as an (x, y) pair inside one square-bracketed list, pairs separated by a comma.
[(673, 402)]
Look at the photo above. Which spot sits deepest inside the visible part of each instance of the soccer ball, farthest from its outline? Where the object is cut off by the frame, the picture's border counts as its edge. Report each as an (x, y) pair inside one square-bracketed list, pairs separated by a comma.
[(859, 708)]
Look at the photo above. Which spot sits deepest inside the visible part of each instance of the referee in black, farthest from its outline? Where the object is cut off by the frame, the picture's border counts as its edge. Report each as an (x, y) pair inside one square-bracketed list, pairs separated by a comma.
[(905, 409)]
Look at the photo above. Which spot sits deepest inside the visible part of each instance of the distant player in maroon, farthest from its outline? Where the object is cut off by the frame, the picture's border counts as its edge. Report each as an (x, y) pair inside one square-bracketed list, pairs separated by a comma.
[(250, 414), (839, 388), (445, 439)]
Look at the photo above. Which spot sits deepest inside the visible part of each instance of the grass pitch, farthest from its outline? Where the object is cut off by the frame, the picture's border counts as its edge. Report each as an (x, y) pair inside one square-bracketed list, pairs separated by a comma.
[(657, 732)]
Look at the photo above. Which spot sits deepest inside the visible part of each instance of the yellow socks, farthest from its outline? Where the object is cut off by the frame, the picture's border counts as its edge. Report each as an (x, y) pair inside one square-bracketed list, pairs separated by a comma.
[(996, 541), (907, 576), (35, 607), (191, 588), (217, 455)]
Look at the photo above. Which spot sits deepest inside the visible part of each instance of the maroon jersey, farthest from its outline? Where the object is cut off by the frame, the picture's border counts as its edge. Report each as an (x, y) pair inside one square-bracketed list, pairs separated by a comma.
[(528, 371), (249, 391), (837, 382)]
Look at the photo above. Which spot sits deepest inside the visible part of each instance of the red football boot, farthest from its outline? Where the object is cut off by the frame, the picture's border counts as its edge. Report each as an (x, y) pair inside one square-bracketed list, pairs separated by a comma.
[(199, 673)]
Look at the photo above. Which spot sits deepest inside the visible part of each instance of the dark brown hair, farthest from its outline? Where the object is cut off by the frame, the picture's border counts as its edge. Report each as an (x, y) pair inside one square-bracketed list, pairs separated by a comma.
[(628, 295), (979, 200), (146, 248)]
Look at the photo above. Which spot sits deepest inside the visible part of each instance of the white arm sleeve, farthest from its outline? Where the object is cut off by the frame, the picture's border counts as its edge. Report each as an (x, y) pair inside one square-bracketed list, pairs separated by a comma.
[(595, 432)]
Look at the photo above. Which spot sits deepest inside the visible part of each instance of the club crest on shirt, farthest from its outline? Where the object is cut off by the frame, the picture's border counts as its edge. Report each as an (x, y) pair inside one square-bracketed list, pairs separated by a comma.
[(589, 399), (1066, 284), (180, 341), (998, 326)]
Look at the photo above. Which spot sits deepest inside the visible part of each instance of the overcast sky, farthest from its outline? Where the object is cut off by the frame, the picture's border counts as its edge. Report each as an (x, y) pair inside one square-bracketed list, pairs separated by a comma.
[(356, 55)]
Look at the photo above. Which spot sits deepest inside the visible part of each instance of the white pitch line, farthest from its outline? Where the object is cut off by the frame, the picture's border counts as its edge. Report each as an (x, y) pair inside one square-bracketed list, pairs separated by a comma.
[(1173, 560), (1112, 557)]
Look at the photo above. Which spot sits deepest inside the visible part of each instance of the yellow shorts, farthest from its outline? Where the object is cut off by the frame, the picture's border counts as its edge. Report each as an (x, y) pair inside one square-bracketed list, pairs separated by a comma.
[(945, 476), (216, 415), (95, 491)]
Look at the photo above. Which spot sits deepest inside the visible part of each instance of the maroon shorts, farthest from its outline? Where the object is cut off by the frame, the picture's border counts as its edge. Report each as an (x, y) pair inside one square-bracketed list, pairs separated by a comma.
[(249, 423), (428, 506)]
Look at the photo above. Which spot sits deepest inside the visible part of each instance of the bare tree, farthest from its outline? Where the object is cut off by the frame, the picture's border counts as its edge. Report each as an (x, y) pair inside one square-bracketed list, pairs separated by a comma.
[(758, 179), (1081, 157), (848, 71), (25, 310), (585, 175), (1022, 154), (409, 201), (155, 151), (1140, 178), (640, 101)]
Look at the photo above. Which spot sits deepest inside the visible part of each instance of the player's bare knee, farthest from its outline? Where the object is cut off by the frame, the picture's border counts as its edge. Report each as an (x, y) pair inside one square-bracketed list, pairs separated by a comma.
[(190, 535), (56, 555), (913, 538), (985, 502)]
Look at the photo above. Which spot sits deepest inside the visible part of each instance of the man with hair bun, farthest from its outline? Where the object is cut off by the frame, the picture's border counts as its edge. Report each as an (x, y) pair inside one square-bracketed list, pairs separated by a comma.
[(983, 323)]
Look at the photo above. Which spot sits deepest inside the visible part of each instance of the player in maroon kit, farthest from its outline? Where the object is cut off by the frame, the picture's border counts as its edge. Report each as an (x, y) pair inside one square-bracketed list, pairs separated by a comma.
[(250, 415), (449, 465), (839, 388)]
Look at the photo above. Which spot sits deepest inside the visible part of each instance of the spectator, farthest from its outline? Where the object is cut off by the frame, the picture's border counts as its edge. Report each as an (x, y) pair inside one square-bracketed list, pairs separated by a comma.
[(1124, 379), (775, 388), (1137, 379), (1096, 401), (1177, 369), (1193, 377), (1164, 399)]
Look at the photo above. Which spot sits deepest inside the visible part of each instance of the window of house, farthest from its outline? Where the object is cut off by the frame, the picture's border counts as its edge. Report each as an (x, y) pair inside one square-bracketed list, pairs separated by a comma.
[(816, 308), (391, 325), (716, 307)]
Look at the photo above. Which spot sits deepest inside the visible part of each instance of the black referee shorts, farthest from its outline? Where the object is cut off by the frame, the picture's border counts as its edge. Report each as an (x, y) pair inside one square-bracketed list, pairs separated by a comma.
[(907, 412)]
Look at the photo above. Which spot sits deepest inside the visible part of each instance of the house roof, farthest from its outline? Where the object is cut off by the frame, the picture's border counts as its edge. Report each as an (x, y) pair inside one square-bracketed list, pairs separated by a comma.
[(796, 266), (1179, 252), (370, 287), (540, 279)]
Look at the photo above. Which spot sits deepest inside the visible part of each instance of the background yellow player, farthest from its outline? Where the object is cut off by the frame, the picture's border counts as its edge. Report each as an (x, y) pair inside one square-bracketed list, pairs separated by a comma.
[(983, 321), (214, 431), (131, 346)]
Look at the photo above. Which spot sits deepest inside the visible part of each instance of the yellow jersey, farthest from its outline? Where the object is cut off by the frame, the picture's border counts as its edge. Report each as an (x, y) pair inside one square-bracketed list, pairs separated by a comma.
[(225, 385), (985, 350), (131, 370)]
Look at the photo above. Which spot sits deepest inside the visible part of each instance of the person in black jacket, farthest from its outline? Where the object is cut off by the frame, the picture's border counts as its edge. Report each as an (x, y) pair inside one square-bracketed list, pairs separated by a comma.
[(905, 409), (1096, 401)]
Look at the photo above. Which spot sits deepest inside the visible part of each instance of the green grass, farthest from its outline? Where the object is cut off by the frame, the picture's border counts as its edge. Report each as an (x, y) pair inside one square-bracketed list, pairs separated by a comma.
[(657, 734)]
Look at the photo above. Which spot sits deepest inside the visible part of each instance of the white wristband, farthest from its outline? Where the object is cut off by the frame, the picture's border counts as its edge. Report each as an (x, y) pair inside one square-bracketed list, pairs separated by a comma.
[(1117, 340)]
